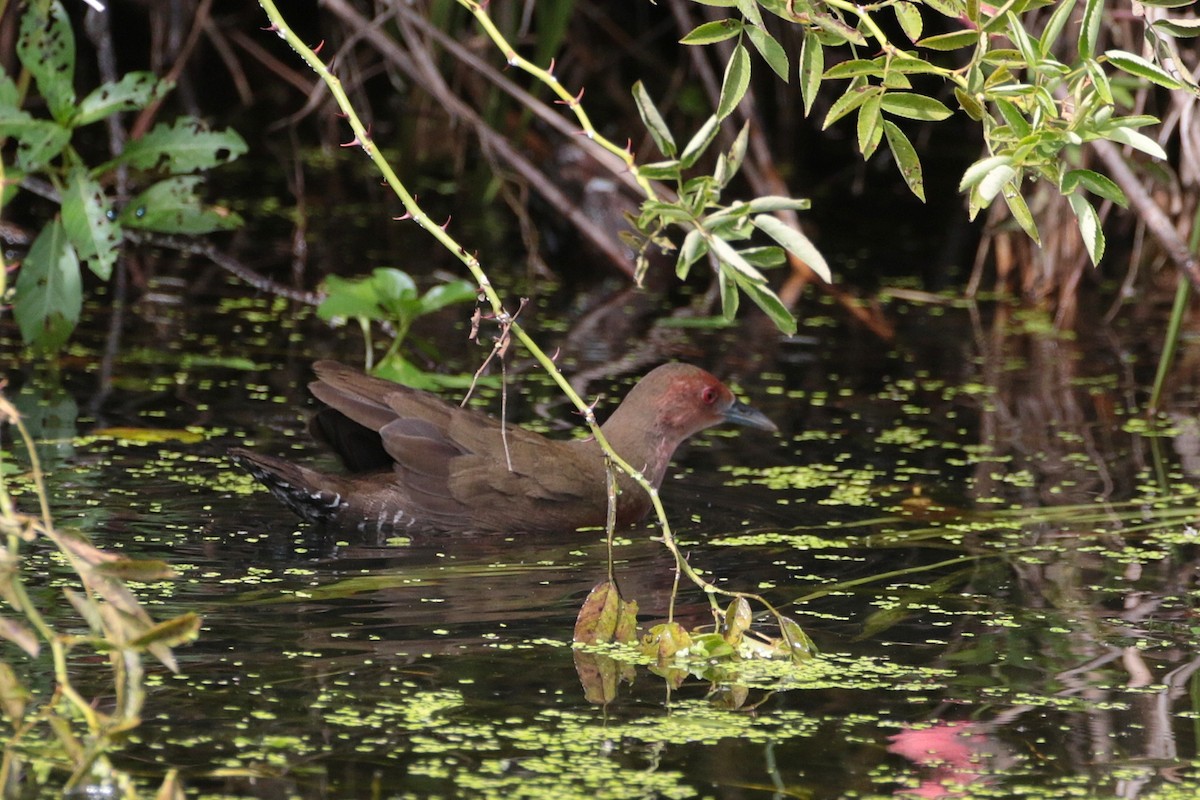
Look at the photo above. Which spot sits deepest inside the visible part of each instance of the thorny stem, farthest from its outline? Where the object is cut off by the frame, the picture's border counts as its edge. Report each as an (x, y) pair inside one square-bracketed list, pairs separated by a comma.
[(362, 139)]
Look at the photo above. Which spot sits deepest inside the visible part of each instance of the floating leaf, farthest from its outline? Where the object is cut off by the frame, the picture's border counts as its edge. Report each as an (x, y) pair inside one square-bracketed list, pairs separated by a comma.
[(736, 82), (597, 620), (665, 640)]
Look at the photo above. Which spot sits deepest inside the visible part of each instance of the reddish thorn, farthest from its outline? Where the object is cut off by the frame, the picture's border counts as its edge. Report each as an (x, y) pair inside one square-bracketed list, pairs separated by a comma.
[(550, 69), (401, 219), (557, 352), (352, 142), (272, 28), (629, 146), (317, 50), (446, 224), (341, 115)]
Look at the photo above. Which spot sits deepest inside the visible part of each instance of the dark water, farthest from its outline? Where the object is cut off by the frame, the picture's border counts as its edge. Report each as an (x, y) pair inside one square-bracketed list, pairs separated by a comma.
[(992, 550)]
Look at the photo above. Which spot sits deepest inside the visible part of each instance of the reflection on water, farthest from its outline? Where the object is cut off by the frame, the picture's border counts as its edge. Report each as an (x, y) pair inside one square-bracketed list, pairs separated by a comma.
[(995, 555)]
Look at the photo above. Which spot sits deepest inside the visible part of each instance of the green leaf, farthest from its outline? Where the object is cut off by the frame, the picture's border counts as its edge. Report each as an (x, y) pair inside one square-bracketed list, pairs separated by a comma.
[(1157, 3), (1055, 25), (85, 215), (948, 8), (795, 243), (731, 258), (366, 297), (915, 106), (171, 206), (712, 32), (812, 66), (1089, 29), (994, 181), (1100, 81), (1095, 183), (769, 203), (1013, 117), (909, 17), (979, 170), (765, 257), (49, 290), (855, 96), (1089, 226), (729, 293), (447, 294), (771, 51), (699, 142), (736, 82), (186, 145), (46, 47), (750, 11), (950, 41), (1020, 211), (869, 131), (693, 249), (1178, 28), (38, 140), (1139, 67), (10, 95), (135, 90), (653, 121), (1138, 141), (769, 302), (969, 104), (1028, 45), (854, 68), (661, 170), (906, 159)]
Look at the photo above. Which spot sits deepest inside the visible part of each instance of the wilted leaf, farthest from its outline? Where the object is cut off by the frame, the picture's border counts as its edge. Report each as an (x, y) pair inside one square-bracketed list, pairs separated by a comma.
[(172, 787), (19, 635), (737, 620), (796, 639), (128, 569), (171, 633), (665, 640), (13, 695), (597, 619)]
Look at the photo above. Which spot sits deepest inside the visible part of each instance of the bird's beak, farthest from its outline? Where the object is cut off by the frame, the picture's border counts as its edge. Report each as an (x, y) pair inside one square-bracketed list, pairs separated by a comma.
[(741, 414)]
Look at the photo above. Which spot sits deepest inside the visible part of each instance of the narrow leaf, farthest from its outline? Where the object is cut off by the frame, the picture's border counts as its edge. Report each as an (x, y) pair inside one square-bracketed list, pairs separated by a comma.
[(977, 171), (855, 96), (906, 159), (994, 181), (1055, 25), (769, 203), (737, 81), (915, 106), (969, 104), (653, 121), (1021, 213), (1139, 67), (693, 249), (1089, 226), (869, 131), (186, 145), (19, 635), (795, 243), (771, 51), (699, 142), (1179, 28), (1097, 184), (1089, 29), (712, 32), (950, 41), (812, 65), (1136, 140)]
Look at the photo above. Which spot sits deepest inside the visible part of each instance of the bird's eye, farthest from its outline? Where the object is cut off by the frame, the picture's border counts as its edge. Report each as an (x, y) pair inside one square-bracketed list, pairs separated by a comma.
[(709, 395)]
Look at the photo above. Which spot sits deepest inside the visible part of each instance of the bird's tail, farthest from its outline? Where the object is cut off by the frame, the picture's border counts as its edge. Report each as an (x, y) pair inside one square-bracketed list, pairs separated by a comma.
[(313, 495)]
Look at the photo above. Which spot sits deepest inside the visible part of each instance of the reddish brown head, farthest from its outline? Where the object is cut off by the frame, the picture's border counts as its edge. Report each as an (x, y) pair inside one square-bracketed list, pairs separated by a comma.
[(667, 406)]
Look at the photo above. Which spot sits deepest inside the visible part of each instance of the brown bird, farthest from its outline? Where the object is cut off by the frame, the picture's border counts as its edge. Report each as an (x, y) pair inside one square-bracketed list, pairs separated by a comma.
[(420, 465)]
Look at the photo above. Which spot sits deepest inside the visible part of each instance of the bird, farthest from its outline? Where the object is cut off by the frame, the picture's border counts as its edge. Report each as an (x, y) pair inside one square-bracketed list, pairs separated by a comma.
[(417, 464)]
